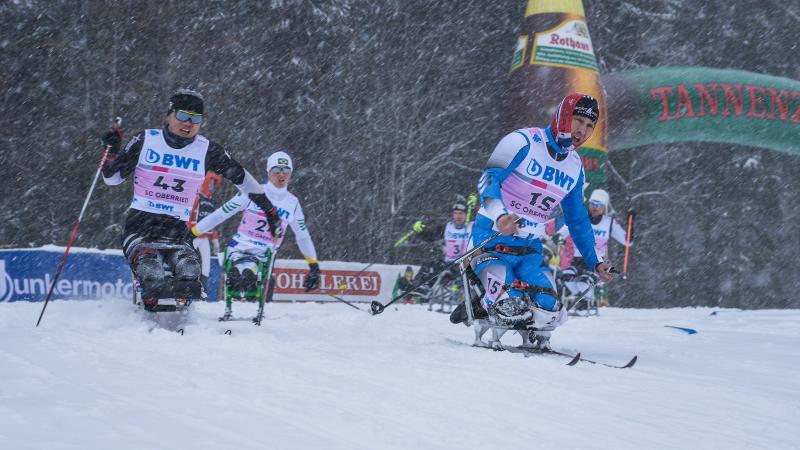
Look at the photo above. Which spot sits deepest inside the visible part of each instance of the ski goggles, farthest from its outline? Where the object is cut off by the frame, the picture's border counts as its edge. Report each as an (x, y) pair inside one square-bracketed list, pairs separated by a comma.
[(184, 116), (595, 203), (280, 169)]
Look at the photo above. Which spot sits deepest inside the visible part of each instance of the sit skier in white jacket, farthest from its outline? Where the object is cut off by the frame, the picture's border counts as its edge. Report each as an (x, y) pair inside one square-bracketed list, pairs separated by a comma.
[(604, 227), (253, 241)]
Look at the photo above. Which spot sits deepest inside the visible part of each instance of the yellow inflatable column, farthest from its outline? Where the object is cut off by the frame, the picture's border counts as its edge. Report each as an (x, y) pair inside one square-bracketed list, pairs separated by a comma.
[(553, 57)]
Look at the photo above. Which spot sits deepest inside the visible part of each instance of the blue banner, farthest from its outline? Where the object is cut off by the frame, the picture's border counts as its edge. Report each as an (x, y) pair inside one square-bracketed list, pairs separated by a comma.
[(27, 275)]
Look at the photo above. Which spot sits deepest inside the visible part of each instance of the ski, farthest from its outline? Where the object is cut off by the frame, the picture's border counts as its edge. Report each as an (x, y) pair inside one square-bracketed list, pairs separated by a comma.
[(181, 331), (578, 357), (573, 359), (528, 352), (247, 319), (254, 320)]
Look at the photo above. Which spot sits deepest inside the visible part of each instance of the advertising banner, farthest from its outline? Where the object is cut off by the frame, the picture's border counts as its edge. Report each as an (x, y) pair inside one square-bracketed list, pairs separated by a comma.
[(26, 275), (683, 104)]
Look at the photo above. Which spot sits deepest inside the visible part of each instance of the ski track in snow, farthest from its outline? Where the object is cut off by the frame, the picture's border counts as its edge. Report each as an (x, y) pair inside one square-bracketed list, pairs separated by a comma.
[(93, 375)]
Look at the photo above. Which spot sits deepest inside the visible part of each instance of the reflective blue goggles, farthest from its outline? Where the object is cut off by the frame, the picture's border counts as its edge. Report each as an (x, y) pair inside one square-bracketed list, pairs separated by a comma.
[(594, 203), (183, 116)]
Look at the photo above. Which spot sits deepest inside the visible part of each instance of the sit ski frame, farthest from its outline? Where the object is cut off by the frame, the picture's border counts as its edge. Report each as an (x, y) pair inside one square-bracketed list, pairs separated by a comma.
[(481, 326)]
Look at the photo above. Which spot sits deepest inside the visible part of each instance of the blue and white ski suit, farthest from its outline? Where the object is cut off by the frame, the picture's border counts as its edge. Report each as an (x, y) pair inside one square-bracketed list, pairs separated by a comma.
[(524, 177)]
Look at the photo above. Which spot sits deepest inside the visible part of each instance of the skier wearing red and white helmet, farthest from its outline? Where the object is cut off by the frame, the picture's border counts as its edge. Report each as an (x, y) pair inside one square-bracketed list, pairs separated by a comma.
[(530, 172)]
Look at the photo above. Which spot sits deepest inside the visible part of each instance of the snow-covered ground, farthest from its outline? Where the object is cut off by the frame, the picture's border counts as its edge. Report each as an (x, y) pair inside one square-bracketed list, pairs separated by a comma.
[(94, 376)]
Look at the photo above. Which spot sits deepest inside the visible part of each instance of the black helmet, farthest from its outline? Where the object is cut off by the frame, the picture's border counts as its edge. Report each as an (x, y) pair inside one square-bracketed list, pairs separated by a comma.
[(187, 100)]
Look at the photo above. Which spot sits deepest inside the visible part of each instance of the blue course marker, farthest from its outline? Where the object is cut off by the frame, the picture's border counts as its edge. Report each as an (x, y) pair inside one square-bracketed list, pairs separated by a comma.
[(685, 330)]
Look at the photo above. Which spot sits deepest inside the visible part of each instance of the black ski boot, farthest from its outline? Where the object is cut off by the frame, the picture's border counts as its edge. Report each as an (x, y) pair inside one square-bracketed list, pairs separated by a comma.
[(459, 314)]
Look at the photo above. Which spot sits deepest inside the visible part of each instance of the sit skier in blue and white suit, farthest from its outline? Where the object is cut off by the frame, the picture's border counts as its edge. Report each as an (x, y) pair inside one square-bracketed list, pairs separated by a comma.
[(530, 173)]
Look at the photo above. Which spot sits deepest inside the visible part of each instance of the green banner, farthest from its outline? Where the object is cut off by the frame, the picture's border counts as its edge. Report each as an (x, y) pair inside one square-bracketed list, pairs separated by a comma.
[(564, 57), (593, 160), (677, 104)]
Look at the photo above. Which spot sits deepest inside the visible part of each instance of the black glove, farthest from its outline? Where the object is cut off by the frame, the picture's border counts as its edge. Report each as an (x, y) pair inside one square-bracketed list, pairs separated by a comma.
[(204, 207), (274, 222), (112, 140), (312, 279)]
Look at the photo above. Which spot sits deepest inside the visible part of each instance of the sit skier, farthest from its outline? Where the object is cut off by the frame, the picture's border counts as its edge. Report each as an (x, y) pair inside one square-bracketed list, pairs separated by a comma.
[(456, 236), (604, 227), (168, 166), (530, 172), (252, 244)]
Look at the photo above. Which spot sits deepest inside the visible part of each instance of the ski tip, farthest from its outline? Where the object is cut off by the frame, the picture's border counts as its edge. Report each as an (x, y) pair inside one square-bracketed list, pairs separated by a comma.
[(229, 332), (574, 360), (630, 363), (180, 330)]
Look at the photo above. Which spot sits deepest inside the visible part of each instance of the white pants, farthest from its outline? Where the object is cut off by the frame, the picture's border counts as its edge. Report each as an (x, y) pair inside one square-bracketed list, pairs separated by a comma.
[(203, 246), (243, 258), (576, 287)]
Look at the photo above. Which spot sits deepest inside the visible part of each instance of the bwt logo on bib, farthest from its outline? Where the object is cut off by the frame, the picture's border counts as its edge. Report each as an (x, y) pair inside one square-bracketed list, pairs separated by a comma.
[(550, 174), (170, 160)]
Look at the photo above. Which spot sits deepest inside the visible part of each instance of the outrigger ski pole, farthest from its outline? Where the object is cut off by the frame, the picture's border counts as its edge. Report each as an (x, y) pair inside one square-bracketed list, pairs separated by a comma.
[(397, 243), (627, 246), (74, 232), (378, 308), (340, 299), (260, 315)]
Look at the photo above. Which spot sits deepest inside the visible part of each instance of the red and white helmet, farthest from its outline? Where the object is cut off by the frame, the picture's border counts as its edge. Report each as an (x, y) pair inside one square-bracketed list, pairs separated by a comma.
[(574, 104)]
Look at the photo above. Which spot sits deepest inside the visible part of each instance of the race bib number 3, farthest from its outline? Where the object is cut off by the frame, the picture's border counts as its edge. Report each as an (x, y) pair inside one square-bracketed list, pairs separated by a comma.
[(455, 248)]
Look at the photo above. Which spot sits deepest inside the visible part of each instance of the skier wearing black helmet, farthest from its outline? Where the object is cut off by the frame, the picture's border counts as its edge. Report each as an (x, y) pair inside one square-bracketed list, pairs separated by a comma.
[(168, 166)]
